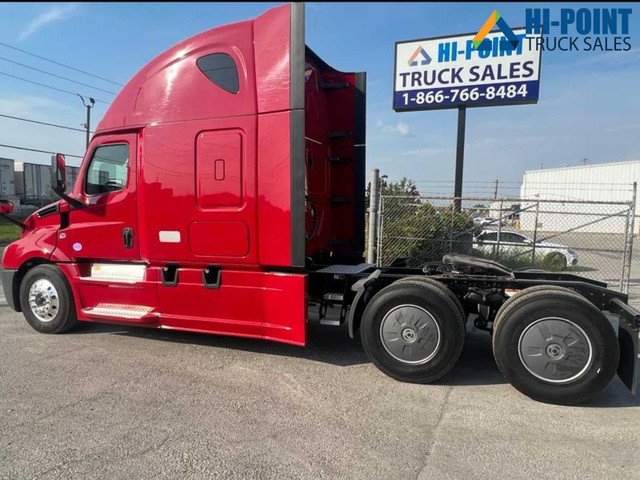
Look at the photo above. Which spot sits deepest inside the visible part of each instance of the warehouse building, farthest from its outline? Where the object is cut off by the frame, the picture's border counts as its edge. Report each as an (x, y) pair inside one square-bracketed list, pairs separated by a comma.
[(587, 184)]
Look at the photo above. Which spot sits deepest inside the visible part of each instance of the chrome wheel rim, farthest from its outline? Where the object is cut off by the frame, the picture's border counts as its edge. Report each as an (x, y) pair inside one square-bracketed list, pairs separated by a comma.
[(44, 301), (555, 350), (410, 334)]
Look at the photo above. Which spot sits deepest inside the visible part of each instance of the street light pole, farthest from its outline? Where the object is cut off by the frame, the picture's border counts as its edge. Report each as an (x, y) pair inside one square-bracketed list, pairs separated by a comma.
[(89, 106)]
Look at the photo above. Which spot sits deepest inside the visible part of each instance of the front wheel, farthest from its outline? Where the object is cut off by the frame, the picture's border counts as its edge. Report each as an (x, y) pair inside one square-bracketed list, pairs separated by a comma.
[(46, 300), (413, 332)]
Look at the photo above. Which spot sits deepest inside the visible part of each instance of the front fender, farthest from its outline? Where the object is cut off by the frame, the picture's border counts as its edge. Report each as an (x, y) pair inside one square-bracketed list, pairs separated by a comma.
[(37, 243)]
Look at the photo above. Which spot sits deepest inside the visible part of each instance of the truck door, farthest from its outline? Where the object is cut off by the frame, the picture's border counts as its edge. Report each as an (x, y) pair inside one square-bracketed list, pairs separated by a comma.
[(106, 229)]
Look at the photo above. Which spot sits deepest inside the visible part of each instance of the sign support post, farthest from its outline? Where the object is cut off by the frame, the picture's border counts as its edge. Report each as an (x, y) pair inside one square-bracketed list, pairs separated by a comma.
[(457, 188)]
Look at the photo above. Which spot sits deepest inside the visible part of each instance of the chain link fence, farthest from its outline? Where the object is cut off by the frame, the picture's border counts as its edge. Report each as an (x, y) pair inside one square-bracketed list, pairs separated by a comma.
[(591, 239)]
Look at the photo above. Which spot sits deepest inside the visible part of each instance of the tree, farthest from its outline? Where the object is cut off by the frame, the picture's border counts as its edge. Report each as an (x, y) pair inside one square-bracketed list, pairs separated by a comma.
[(415, 229)]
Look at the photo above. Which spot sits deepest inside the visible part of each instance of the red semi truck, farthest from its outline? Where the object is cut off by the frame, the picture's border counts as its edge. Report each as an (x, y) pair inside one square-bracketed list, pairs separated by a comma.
[(224, 192)]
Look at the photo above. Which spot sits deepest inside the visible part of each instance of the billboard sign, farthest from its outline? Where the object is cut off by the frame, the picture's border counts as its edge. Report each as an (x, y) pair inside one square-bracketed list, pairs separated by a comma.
[(482, 69)]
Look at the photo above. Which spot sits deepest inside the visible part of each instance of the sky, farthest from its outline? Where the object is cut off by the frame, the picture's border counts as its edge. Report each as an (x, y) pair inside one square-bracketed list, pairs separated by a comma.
[(589, 105)]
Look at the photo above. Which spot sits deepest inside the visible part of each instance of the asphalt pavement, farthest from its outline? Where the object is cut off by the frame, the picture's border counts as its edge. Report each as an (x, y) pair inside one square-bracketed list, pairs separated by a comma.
[(115, 402)]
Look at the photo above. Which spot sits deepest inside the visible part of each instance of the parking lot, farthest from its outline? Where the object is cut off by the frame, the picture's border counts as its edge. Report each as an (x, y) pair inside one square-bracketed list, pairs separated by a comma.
[(123, 402)]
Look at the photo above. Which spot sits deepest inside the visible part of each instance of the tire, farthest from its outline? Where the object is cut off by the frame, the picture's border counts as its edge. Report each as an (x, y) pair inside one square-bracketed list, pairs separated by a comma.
[(425, 280), (51, 308), (554, 346), (433, 317), (555, 262)]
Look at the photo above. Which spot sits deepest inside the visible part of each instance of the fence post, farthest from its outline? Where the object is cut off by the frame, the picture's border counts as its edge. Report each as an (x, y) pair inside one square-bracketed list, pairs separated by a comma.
[(373, 214), (497, 252), (453, 213), (380, 222), (535, 234), (628, 242)]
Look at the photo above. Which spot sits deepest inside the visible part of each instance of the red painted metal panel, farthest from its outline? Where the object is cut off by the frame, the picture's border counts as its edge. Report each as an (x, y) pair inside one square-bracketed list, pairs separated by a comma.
[(274, 180), (225, 239), (89, 293), (218, 168), (167, 192), (272, 31), (248, 303), (172, 88), (96, 231), (39, 242)]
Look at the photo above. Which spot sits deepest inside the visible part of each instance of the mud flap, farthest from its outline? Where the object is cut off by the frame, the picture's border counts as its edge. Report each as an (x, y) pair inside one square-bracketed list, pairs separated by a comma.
[(629, 340)]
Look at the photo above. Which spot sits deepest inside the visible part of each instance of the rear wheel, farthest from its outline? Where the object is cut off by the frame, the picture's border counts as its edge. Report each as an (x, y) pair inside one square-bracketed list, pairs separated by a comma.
[(554, 346), (413, 332), (443, 288), (46, 300)]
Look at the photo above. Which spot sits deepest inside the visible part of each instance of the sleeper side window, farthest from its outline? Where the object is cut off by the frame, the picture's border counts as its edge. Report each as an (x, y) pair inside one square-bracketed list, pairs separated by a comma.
[(108, 170), (221, 70)]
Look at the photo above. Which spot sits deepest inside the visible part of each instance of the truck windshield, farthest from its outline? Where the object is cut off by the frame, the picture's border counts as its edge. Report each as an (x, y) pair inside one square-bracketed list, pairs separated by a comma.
[(108, 170)]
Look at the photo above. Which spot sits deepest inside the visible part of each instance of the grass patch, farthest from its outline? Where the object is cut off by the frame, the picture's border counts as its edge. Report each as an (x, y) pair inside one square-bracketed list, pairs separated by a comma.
[(8, 232)]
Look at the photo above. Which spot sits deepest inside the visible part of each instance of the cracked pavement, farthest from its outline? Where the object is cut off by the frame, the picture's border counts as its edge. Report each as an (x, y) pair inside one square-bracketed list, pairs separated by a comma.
[(118, 402)]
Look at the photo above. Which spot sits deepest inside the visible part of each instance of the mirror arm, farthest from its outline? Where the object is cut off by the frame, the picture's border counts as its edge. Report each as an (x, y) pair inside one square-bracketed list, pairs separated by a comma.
[(74, 202), (14, 221)]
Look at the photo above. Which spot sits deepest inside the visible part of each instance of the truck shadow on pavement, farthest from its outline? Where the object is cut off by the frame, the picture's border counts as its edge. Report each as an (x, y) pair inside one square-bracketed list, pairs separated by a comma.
[(330, 345), (333, 346)]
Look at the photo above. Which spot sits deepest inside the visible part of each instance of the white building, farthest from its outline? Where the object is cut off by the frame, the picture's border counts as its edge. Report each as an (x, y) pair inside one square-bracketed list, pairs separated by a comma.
[(588, 184)]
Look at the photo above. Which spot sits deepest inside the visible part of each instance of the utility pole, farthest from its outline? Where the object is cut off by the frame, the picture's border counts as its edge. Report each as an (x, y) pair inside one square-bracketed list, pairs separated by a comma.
[(87, 125), (495, 190)]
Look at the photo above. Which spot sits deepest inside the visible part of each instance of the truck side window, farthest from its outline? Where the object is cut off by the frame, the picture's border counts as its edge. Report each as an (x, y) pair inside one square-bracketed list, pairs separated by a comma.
[(108, 170), (221, 70)]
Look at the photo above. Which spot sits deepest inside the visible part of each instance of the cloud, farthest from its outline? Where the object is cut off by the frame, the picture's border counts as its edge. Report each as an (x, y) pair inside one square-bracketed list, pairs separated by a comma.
[(53, 14), (401, 128)]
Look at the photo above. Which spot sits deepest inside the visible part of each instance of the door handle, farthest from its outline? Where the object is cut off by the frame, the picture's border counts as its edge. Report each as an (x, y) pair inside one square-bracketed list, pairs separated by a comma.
[(127, 237)]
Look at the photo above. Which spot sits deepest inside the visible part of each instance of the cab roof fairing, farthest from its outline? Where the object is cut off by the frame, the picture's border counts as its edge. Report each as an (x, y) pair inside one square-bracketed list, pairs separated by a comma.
[(171, 88)]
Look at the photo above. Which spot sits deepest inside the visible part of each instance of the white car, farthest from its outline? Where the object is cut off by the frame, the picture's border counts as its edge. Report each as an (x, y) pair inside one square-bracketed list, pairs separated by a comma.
[(488, 221), (512, 243)]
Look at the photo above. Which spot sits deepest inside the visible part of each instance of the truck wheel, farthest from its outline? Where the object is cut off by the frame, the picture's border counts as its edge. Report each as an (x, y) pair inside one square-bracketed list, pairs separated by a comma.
[(46, 300), (413, 332), (554, 346), (555, 262), (425, 280)]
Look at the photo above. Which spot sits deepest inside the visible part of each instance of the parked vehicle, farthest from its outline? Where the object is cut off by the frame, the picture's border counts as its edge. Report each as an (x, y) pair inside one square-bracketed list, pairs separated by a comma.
[(513, 244), (223, 192), (488, 221), (7, 182), (33, 183)]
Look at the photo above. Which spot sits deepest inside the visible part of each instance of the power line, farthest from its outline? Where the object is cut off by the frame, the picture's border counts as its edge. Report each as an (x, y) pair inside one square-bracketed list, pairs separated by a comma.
[(48, 86), (38, 151), (61, 64), (58, 76), (43, 123)]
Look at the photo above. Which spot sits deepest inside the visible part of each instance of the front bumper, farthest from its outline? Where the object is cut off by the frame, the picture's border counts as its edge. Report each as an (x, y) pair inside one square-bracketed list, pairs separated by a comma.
[(7, 286), (629, 341)]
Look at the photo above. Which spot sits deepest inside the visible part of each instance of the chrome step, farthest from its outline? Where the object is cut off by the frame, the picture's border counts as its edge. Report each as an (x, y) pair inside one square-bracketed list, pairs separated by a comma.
[(334, 297), (111, 310), (330, 322)]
